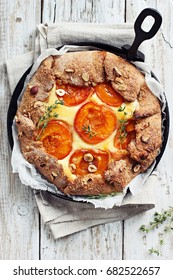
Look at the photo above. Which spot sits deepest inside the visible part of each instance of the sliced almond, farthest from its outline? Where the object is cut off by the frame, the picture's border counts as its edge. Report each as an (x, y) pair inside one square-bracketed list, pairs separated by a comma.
[(60, 92), (72, 167), (121, 169), (94, 84), (84, 182), (119, 80), (92, 168), (85, 77), (20, 134), (117, 71), (54, 175), (145, 138), (38, 104), (136, 168), (69, 70), (122, 87), (88, 157)]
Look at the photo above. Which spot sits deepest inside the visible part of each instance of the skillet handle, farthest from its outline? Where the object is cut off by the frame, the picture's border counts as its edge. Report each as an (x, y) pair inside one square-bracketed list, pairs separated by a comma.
[(140, 34)]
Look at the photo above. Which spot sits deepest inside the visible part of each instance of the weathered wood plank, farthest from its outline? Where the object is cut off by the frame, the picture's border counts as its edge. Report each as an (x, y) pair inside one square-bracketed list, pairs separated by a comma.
[(19, 218), (98, 243), (158, 54), (105, 241), (84, 11)]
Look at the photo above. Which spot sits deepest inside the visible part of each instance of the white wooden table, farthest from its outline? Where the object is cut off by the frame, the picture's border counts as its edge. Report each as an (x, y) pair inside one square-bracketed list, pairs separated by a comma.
[(22, 232)]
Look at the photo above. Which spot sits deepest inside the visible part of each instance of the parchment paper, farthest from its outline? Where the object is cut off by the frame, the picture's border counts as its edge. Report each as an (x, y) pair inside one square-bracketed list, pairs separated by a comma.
[(27, 172)]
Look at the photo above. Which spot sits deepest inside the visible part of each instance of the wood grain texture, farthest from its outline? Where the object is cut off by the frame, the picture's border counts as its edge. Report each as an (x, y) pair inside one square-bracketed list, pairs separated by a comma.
[(19, 218), (22, 234), (108, 11), (98, 243)]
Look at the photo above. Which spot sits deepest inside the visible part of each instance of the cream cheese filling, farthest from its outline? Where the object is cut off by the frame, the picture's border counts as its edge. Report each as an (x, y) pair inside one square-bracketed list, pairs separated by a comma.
[(68, 114)]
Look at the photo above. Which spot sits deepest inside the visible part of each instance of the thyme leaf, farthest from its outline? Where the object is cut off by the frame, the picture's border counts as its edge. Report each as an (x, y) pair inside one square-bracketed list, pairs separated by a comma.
[(163, 220), (122, 124), (154, 251), (48, 114), (158, 219), (87, 129), (121, 108)]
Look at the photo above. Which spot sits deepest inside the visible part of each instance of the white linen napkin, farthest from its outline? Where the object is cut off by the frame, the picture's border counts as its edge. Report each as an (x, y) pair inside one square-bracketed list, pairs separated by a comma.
[(66, 217)]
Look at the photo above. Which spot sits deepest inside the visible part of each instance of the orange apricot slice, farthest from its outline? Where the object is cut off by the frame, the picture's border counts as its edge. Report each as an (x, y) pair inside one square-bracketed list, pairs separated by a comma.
[(57, 139), (89, 161), (73, 95), (94, 123), (108, 95)]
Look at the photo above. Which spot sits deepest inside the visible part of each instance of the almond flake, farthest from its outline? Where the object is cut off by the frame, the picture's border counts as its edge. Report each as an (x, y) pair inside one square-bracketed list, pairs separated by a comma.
[(88, 157), (119, 80), (69, 70), (60, 92), (92, 168), (145, 138), (38, 104), (54, 175), (122, 87), (136, 168), (94, 84), (72, 167), (85, 77), (117, 71)]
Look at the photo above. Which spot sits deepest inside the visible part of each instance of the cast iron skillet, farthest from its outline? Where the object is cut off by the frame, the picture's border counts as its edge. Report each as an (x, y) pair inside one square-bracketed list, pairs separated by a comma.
[(130, 53)]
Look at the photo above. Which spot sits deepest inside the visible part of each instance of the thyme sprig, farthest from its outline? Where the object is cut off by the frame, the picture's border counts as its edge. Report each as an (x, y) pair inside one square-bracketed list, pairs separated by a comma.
[(123, 133), (48, 114), (87, 129), (121, 108), (154, 251), (159, 218), (122, 124), (166, 216)]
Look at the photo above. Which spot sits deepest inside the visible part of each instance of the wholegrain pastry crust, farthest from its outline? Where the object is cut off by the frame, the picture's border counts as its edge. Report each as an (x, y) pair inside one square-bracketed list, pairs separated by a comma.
[(124, 77), (81, 71)]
